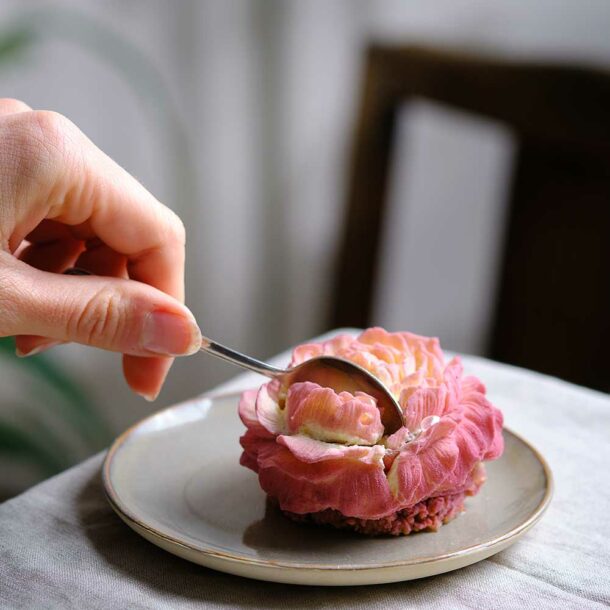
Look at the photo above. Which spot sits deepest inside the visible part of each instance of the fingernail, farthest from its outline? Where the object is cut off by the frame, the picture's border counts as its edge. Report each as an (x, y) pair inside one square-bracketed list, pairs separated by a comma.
[(148, 397), (43, 347), (170, 334)]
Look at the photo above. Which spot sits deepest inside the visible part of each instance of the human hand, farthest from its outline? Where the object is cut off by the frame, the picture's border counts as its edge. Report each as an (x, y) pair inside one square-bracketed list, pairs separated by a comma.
[(64, 203)]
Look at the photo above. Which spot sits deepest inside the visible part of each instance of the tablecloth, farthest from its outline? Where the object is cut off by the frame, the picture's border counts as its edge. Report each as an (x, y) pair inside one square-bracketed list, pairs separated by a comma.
[(61, 546)]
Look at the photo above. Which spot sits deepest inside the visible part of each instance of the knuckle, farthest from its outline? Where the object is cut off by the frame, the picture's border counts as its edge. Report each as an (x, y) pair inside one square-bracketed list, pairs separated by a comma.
[(176, 228), (51, 129), (9, 105), (99, 320), (37, 150)]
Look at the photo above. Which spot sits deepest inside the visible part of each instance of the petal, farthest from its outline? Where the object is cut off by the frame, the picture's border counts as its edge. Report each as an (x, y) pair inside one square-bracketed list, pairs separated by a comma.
[(353, 487), (325, 415), (247, 413), (268, 412), (306, 352), (338, 344), (418, 403), (381, 336), (332, 347), (472, 384), (478, 434), (418, 472), (453, 380), (311, 450), (428, 354), (398, 439), (386, 373), (485, 424), (251, 443)]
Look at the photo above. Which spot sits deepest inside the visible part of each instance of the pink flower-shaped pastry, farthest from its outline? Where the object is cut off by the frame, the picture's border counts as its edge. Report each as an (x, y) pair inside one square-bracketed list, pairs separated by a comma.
[(320, 452)]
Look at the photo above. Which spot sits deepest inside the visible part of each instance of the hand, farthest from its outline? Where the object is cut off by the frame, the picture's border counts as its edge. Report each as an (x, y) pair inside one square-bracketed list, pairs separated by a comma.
[(64, 203)]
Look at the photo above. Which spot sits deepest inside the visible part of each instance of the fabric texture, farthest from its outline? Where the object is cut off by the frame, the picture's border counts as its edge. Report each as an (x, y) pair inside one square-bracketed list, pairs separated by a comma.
[(61, 545)]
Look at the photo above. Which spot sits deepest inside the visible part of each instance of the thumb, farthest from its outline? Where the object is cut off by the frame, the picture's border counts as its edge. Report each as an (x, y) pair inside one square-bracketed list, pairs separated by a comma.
[(110, 313)]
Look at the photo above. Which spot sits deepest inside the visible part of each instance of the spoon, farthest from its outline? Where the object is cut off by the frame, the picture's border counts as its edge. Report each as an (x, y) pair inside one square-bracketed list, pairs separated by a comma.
[(327, 371)]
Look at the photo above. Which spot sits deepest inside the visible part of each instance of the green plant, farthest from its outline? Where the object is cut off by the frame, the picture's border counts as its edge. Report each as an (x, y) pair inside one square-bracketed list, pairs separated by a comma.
[(28, 438)]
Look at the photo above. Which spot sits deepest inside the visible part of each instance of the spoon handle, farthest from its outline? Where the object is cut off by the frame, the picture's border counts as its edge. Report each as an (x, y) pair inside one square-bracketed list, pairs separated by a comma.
[(216, 349), (246, 362)]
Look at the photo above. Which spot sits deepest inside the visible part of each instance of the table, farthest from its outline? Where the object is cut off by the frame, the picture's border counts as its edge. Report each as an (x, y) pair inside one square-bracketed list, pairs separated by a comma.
[(61, 546)]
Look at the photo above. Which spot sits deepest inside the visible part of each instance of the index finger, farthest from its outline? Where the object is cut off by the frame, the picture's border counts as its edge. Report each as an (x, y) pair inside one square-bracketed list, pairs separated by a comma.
[(77, 184)]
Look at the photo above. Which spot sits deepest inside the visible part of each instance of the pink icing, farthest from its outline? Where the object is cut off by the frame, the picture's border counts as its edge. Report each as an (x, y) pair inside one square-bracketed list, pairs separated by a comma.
[(314, 449)]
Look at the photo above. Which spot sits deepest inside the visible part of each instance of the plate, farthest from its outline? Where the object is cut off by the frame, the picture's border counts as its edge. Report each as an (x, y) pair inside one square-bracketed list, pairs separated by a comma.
[(175, 479)]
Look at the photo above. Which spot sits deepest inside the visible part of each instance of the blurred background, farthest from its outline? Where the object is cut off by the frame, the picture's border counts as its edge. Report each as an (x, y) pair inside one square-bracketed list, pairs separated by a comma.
[(252, 120)]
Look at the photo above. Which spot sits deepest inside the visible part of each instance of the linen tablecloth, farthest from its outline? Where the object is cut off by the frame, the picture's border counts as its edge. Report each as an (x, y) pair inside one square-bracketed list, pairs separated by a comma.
[(61, 546)]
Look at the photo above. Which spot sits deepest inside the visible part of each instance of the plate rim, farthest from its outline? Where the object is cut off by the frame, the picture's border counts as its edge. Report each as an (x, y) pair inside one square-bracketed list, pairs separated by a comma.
[(129, 517)]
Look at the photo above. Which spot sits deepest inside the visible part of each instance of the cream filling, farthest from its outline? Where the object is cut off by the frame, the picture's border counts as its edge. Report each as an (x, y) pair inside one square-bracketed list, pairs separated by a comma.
[(320, 433)]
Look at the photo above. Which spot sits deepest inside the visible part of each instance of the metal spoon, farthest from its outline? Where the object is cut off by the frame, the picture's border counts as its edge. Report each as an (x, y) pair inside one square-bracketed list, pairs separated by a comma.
[(327, 371)]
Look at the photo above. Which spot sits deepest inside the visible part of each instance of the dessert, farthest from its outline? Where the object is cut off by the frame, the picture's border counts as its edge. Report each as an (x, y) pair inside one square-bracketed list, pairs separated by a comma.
[(323, 457)]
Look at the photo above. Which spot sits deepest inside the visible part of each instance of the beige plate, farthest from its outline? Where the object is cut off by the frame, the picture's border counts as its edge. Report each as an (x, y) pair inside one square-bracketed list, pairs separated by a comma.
[(175, 479)]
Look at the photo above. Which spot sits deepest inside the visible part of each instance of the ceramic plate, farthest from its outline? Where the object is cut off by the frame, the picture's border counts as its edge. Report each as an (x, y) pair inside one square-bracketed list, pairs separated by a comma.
[(175, 479)]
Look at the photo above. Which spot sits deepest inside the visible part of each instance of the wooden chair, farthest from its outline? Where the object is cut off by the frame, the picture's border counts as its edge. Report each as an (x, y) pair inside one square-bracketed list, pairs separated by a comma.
[(552, 309)]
